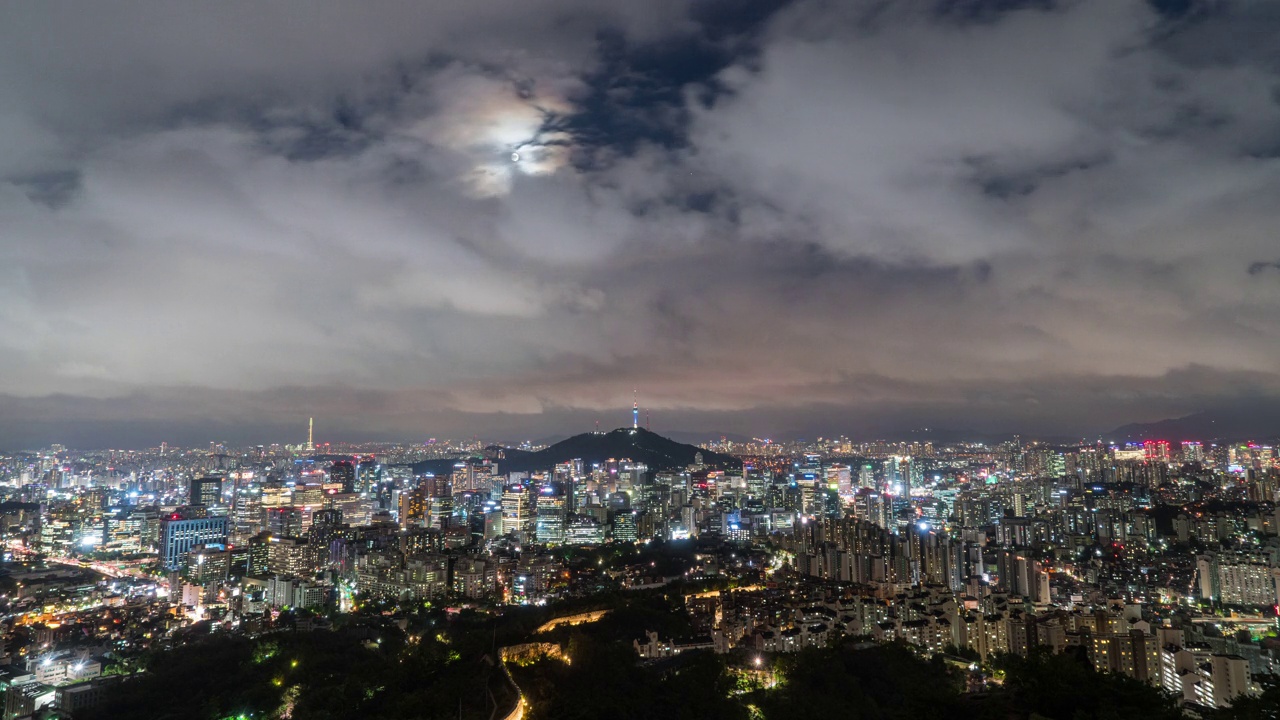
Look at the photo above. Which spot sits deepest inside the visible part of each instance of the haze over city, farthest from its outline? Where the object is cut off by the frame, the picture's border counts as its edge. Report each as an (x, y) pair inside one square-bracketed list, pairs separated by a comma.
[(766, 218)]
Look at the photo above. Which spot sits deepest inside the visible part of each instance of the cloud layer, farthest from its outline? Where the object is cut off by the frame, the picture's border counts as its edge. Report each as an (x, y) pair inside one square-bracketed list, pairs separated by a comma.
[(813, 216)]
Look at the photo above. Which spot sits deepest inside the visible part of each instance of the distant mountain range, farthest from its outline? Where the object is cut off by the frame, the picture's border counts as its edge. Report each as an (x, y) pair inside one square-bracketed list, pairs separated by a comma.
[(1204, 426), (637, 444)]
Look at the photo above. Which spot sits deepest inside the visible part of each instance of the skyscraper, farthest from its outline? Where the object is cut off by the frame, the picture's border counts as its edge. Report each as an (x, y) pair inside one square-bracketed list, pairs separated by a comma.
[(413, 507), (516, 512), (343, 471), (206, 491), (551, 515), (439, 510), (284, 521)]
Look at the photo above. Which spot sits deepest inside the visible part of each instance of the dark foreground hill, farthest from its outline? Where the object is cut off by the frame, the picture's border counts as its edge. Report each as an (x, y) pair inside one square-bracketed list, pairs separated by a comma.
[(637, 444)]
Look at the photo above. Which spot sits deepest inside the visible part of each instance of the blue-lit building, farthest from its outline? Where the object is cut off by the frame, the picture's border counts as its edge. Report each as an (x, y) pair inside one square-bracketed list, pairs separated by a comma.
[(178, 535)]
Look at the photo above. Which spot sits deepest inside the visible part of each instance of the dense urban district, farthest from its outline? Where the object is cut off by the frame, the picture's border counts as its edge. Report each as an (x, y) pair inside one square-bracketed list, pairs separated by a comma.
[(623, 574)]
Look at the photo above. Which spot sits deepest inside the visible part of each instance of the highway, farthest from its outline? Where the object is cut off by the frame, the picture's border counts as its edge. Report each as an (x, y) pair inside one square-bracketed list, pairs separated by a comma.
[(107, 569)]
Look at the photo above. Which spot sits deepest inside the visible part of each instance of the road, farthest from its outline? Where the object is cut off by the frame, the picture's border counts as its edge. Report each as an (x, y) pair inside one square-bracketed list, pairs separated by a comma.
[(107, 569)]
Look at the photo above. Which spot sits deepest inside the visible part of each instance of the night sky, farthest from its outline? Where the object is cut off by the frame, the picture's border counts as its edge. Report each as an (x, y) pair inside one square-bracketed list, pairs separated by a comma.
[(499, 218)]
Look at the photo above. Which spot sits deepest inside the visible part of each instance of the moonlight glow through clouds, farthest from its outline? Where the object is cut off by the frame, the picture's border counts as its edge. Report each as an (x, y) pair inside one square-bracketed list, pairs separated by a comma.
[(768, 217)]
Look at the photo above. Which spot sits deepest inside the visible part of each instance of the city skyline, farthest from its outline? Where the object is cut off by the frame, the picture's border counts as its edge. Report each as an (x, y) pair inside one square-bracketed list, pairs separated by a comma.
[(691, 359), (766, 218)]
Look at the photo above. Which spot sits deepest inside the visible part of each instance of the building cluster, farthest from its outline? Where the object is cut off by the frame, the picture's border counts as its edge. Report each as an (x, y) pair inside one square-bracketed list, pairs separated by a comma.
[(1154, 561), (1157, 560)]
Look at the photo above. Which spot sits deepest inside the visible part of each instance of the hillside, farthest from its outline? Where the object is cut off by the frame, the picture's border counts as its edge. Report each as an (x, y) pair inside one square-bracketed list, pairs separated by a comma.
[(1220, 424), (637, 444)]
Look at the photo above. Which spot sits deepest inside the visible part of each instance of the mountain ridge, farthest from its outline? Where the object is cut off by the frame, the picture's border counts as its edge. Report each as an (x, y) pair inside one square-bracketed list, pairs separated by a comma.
[(1203, 426), (636, 444)]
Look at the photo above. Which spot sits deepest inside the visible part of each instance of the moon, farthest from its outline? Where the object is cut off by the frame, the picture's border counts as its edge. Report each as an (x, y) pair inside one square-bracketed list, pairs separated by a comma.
[(515, 157)]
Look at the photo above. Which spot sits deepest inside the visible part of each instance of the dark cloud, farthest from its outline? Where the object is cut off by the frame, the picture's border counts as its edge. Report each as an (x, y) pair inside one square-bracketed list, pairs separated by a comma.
[(988, 11), (1260, 267), (638, 92), (53, 189), (1012, 182), (767, 217)]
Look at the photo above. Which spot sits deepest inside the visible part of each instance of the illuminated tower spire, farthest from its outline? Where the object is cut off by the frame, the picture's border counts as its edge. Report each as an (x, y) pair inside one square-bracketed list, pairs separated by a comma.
[(311, 426), (635, 410)]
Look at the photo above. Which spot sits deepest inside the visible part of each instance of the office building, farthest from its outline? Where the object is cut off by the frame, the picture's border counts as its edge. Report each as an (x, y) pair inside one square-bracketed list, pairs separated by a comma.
[(179, 534), (551, 515), (206, 491), (343, 473)]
